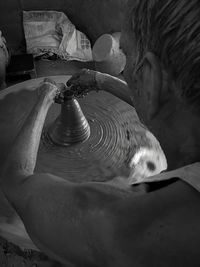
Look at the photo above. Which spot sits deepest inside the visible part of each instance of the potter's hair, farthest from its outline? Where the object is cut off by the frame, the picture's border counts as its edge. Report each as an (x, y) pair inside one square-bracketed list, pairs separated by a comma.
[(170, 29)]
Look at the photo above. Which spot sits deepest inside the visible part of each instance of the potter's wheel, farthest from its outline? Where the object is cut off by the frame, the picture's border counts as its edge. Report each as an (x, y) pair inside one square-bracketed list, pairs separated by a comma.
[(115, 134)]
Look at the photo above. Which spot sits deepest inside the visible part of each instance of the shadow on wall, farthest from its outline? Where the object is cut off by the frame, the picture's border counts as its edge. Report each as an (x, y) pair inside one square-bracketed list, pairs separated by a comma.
[(93, 17)]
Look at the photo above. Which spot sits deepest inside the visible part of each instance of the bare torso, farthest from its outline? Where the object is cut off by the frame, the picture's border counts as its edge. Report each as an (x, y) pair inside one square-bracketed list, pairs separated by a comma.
[(106, 227)]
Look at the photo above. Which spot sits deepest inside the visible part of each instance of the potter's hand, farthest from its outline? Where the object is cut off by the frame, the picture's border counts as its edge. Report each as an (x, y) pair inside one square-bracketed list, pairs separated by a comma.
[(83, 82), (51, 90)]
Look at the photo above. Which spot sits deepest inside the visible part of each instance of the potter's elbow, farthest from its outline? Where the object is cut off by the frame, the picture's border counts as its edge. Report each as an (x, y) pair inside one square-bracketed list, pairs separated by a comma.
[(14, 174)]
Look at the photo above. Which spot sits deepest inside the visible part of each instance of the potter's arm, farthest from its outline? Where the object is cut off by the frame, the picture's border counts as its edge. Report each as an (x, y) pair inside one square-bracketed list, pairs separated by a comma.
[(22, 158), (115, 86), (94, 80)]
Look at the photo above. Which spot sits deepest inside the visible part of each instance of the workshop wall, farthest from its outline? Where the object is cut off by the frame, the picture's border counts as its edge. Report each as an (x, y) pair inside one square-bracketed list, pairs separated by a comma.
[(93, 17)]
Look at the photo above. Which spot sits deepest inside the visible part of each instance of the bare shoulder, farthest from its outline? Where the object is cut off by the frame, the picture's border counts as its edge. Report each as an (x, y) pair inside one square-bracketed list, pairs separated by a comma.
[(143, 230), (37, 187), (177, 198), (43, 179), (161, 226)]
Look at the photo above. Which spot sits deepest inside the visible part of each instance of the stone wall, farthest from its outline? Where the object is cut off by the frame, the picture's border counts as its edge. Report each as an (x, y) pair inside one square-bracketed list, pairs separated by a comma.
[(93, 17)]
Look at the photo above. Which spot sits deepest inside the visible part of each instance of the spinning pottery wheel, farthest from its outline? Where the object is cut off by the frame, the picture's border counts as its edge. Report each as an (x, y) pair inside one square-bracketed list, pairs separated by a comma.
[(108, 145), (115, 133)]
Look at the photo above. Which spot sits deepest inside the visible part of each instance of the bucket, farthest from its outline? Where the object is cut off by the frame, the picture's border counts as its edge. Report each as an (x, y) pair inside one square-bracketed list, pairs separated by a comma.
[(107, 54)]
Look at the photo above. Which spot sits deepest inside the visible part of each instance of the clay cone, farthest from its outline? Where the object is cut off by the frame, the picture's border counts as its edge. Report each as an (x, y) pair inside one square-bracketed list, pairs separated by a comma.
[(71, 126)]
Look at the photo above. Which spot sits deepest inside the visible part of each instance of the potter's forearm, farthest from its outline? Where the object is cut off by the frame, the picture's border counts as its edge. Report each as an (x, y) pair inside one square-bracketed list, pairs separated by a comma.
[(114, 86), (22, 158)]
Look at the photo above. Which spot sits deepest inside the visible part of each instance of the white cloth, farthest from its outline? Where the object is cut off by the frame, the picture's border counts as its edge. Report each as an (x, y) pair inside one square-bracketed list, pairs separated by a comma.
[(52, 33), (189, 174), (3, 47)]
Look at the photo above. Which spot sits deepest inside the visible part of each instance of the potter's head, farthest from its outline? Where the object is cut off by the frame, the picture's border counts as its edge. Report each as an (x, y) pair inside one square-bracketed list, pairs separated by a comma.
[(161, 39)]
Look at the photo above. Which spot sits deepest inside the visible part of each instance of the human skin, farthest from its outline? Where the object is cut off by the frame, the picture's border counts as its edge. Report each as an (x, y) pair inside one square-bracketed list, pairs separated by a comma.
[(97, 81), (159, 109)]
